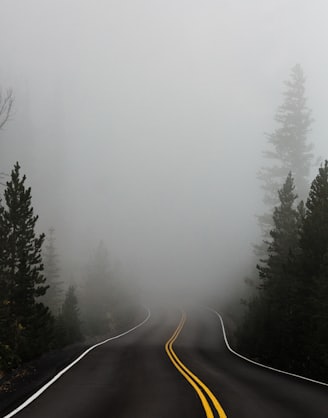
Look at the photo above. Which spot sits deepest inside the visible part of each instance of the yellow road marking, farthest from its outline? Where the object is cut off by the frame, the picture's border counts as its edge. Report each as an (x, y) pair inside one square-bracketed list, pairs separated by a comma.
[(195, 382)]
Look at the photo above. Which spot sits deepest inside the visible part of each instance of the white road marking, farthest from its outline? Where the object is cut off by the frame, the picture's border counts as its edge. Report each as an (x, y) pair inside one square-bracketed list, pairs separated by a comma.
[(58, 375), (259, 364)]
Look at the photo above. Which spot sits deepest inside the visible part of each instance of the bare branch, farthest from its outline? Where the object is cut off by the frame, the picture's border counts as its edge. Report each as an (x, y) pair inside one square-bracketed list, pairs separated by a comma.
[(6, 103)]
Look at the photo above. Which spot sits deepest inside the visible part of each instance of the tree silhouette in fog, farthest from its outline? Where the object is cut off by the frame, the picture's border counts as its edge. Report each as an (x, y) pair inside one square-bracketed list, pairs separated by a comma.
[(26, 325), (289, 148)]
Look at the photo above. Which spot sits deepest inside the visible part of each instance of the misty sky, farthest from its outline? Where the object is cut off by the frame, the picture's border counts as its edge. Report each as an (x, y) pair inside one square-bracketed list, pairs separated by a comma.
[(141, 122)]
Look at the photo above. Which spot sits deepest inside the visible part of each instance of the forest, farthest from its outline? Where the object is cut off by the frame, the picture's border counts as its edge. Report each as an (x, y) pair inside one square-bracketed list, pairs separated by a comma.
[(38, 311), (285, 315), (285, 320)]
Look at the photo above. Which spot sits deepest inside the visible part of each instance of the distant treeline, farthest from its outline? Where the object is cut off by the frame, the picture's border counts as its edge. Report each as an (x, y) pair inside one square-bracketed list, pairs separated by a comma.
[(36, 315)]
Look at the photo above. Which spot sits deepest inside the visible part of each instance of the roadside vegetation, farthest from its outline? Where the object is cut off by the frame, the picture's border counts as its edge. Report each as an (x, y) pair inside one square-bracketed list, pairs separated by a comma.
[(37, 313), (28, 327), (285, 320)]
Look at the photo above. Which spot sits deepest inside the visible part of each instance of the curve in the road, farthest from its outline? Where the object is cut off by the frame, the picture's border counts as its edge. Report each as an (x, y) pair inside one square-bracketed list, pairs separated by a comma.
[(256, 363), (192, 379), (58, 375)]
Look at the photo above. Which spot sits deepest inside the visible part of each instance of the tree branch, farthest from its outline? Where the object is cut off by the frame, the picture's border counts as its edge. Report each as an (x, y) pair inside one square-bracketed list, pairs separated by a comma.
[(6, 103)]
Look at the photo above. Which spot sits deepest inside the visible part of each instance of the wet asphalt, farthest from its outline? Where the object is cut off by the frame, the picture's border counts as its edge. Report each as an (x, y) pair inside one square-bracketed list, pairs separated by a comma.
[(133, 377)]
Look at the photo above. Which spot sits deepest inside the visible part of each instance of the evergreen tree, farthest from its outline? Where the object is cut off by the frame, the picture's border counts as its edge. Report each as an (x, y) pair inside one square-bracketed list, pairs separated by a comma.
[(314, 240), (313, 271), (320, 346), (290, 150), (98, 294), (287, 322), (52, 298), (273, 306), (284, 233), (8, 358), (277, 276), (68, 322), (21, 272)]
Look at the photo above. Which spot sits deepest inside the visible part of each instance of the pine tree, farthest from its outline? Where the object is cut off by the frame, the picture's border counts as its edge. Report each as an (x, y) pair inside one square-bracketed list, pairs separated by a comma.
[(290, 150), (52, 298), (68, 322), (285, 231), (314, 241), (21, 272), (278, 280), (8, 358), (320, 340), (313, 271), (273, 305), (98, 298), (290, 312)]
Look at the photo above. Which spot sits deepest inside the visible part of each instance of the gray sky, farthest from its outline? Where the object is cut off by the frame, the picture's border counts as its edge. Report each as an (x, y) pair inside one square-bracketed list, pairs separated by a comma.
[(141, 122)]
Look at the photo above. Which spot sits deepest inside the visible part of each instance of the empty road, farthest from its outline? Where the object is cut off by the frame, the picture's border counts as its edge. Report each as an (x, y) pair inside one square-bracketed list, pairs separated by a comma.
[(175, 365)]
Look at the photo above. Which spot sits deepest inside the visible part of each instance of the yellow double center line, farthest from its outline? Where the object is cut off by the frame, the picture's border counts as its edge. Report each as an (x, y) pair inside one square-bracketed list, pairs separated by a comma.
[(201, 389)]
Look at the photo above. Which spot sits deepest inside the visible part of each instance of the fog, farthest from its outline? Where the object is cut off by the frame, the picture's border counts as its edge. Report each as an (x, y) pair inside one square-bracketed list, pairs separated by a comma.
[(141, 123)]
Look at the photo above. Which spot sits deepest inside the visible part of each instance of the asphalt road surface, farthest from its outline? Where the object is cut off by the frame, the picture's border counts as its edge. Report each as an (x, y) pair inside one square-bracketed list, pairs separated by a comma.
[(137, 377)]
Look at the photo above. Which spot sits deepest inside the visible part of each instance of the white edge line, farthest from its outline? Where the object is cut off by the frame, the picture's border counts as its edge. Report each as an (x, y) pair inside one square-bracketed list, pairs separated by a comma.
[(58, 375), (259, 364)]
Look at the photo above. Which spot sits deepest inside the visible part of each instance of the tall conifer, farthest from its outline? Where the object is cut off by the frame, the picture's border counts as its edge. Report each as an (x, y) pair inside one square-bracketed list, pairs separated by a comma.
[(98, 294), (273, 305), (289, 150), (21, 272), (278, 278), (70, 317), (53, 297), (313, 292)]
